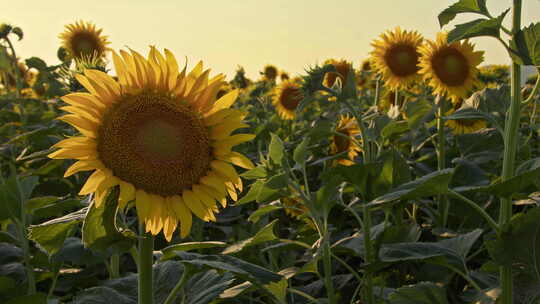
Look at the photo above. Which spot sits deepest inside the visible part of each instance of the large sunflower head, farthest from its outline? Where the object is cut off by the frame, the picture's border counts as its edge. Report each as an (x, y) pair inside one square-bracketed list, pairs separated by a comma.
[(270, 72), (450, 68), (82, 40), (347, 128), (287, 97), (395, 57), (160, 135), (343, 68)]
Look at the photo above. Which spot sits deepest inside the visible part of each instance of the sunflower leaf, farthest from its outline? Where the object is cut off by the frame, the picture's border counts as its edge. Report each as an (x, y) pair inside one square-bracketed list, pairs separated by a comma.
[(462, 6), (421, 293), (99, 230), (264, 235), (526, 45), (276, 150), (477, 28)]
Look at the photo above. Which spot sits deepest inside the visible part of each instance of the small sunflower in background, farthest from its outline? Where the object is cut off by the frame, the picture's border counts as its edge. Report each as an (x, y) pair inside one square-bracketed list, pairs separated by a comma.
[(270, 72), (160, 135), (450, 68), (395, 57), (388, 100), (365, 66), (284, 76), (83, 40), (287, 97), (293, 206), (348, 128), (343, 68), (494, 75)]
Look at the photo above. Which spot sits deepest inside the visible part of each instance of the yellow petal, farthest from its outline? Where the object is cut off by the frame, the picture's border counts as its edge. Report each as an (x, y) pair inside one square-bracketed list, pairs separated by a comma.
[(85, 126), (84, 100), (93, 182), (239, 160), (87, 113), (222, 131), (121, 70), (206, 199), (183, 214), (83, 165), (225, 101), (224, 169), (127, 193), (236, 139), (143, 205), (196, 206), (74, 153), (76, 142), (156, 213), (108, 82)]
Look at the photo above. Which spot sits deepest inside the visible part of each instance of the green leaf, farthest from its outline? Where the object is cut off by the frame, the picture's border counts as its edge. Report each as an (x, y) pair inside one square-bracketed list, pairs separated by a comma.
[(273, 188), (526, 43), (421, 293), (50, 236), (393, 173), (263, 210), (252, 194), (266, 234), (358, 174), (6, 284), (477, 28), (255, 173), (276, 150), (38, 298), (429, 185), (518, 244), (450, 253), (99, 231), (169, 252), (395, 129), (247, 271), (462, 6), (516, 183), (418, 112), (301, 152), (14, 194)]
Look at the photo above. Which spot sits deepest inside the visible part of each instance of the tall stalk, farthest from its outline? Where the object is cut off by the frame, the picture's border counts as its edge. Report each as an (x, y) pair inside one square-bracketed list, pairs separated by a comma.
[(15, 68), (511, 140), (146, 249), (441, 159)]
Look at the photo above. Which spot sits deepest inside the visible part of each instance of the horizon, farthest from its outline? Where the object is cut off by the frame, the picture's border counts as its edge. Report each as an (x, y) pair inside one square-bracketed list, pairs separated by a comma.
[(291, 36)]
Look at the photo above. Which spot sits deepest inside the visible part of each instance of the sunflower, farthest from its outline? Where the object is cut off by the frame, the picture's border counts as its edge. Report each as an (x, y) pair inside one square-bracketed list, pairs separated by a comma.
[(82, 39), (366, 65), (160, 135), (347, 127), (388, 100), (284, 76), (287, 97), (270, 72), (451, 69), (463, 126), (395, 57), (343, 68)]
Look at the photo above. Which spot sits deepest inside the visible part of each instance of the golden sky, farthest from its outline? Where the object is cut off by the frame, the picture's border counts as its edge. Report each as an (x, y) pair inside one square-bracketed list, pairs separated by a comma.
[(291, 34)]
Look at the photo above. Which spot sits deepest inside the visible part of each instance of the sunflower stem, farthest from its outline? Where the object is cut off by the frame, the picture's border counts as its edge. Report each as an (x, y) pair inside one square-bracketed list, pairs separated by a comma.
[(178, 287), (511, 139), (368, 254), (115, 266), (441, 159), (15, 68), (146, 259), (327, 262)]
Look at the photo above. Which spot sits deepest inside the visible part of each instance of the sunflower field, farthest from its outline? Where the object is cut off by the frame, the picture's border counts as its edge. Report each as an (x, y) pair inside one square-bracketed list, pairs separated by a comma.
[(412, 177)]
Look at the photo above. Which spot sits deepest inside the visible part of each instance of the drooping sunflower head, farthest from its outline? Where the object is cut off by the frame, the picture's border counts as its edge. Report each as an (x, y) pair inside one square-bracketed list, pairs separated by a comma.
[(347, 128), (287, 97), (160, 135), (284, 76), (343, 68), (450, 68), (388, 100), (82, 40), (270, 72), (294, 207), (395, 57), (464, 126)]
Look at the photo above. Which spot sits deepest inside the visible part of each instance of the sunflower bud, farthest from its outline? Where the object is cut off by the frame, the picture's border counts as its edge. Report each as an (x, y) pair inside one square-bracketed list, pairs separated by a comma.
[(5, 29)]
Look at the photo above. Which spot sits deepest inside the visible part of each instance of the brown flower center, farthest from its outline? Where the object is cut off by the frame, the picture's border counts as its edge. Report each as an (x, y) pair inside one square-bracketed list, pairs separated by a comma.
[(402, 60), (155, 142), (451, 66), (290, 98), (85, 43)]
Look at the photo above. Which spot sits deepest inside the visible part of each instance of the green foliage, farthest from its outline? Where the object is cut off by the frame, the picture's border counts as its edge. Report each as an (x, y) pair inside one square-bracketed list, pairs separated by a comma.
[(477, 28), (421, 293), (526, 45), (462, 6)]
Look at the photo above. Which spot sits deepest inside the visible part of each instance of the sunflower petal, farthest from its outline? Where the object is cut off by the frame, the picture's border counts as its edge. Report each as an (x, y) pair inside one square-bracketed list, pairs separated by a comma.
[(182, 213)]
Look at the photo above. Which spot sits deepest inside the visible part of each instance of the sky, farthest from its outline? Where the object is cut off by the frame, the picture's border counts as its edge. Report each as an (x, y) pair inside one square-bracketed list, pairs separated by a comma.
[(291, 34)]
